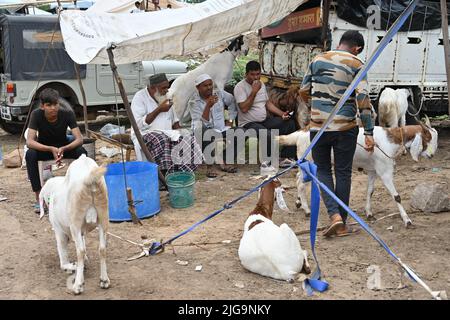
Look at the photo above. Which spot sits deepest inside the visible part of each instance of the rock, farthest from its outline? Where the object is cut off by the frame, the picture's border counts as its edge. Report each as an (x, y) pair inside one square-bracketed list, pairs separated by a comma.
[(431, 197), (198, 268), (13, 159)]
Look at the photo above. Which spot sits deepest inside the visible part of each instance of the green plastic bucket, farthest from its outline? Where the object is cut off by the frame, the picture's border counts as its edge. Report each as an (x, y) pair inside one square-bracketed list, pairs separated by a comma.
[(181, 189)]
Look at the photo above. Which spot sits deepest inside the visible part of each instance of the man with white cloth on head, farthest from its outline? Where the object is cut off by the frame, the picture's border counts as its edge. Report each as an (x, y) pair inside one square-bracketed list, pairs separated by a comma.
[(207, 108), (158, 125)]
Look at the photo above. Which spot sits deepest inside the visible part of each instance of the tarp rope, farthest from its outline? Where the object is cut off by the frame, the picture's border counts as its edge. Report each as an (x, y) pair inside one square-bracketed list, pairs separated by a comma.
[(314, 283)]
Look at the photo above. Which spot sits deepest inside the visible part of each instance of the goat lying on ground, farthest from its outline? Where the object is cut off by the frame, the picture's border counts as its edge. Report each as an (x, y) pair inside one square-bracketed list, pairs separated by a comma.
[(290, 101), (420, 139), (78, 206), (392, 107), (219, 67), (267, 249)]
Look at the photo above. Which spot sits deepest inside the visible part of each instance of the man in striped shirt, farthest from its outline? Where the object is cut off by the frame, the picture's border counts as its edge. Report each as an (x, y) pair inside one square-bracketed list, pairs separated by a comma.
[(327, 78)]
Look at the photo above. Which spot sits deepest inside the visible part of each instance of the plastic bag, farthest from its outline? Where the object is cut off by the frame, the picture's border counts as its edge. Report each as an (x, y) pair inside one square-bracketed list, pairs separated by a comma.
[(111, 129)]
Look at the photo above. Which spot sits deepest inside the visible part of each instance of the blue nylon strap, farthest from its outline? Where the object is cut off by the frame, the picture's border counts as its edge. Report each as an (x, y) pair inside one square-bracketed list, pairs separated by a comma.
[(307, 171), (314, 282)]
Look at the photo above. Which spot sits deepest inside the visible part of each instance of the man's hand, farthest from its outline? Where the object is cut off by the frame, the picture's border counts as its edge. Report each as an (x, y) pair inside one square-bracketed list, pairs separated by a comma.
[(370, 143), (57, 154), (256, 86), (286, 116), (211, 101), (165, 106), (229, 123)]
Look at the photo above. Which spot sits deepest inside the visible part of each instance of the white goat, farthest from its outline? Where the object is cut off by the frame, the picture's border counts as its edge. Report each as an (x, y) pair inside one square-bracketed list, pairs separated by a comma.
[(76, 208), (219, 67), (392, 107), (47, 192), (421, 140), (267, 249)]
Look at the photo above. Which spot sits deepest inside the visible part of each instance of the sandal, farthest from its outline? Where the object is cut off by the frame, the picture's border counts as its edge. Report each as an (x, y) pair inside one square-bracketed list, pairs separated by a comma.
[(333, 227), (37, 208), (347, 231), (229, 169), (211, 174)]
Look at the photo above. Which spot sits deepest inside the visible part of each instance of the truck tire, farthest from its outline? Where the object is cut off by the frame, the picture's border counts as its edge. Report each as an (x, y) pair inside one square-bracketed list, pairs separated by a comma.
[(12, 128)]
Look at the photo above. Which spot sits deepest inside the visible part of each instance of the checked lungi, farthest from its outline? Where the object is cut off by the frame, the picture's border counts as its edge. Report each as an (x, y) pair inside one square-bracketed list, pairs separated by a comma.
[(182, 155)]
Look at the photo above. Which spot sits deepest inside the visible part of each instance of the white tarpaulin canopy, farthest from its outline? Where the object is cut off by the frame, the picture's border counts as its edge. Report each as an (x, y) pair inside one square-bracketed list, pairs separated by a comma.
[(125, 6), (154, 35)]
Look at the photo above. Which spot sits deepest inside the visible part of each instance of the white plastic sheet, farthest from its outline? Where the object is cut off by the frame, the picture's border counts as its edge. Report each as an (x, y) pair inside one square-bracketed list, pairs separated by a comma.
[(154, 35), (125, 6)]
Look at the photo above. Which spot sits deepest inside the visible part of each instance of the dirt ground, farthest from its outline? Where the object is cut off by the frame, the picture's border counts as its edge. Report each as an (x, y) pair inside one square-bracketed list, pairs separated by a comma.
[(29, 265)]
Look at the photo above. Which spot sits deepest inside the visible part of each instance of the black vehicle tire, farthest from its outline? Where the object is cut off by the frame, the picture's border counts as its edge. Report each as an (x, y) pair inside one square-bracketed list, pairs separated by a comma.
[(12, 128)]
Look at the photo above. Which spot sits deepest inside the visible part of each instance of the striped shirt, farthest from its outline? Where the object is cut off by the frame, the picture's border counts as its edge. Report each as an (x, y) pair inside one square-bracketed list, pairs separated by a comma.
[(326, 80)]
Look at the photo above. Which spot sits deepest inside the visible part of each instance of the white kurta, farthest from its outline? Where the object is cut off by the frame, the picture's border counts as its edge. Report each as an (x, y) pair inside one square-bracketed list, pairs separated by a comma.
[(143, 104)]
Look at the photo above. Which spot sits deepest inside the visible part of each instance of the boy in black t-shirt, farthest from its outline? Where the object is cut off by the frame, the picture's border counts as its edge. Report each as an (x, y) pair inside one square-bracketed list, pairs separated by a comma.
[(47, 138)]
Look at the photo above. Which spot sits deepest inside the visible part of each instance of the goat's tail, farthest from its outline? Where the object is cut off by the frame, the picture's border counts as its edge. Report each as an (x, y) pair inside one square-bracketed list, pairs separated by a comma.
[(95, 176)]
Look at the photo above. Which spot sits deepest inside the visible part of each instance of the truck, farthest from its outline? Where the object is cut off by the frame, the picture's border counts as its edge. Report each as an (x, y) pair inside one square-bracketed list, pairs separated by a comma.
[(413, 59), (32, 58)]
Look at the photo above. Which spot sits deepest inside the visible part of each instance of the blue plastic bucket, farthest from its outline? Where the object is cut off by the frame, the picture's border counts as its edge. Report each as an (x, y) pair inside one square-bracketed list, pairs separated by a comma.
[(181, 189), (142, 178)]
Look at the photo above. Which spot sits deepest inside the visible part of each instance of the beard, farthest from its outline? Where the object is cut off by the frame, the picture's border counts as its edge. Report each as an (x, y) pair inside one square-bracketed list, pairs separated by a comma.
[(160, 98)]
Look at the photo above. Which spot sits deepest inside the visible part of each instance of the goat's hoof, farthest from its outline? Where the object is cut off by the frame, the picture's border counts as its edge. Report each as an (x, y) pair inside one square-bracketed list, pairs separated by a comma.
[(307, 214), (298, 204), (371, 218), (409, 224), (104, 284), (77, 289), (69, 268), (290, 280)]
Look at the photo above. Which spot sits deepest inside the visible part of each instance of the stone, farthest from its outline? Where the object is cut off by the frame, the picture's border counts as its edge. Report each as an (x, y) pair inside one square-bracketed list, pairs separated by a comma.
[(431, 197), (13, 159)]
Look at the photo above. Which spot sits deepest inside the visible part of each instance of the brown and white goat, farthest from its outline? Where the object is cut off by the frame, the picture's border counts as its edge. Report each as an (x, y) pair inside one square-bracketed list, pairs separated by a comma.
[(267, 249), (421, 140), (290, 101)]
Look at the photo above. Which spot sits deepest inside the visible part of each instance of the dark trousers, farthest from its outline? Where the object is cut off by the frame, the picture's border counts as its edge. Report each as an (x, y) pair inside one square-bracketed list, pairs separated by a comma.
[(284, 127), (343, 144), (33, 156)]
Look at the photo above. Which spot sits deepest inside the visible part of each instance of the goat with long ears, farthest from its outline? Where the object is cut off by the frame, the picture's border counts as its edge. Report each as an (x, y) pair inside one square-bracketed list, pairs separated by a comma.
[(267, 249), (421, 140)]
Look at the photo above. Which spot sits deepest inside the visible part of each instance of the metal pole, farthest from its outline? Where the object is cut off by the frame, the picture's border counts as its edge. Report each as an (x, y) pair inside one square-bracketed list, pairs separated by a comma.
[(445, 39), (126, 103)]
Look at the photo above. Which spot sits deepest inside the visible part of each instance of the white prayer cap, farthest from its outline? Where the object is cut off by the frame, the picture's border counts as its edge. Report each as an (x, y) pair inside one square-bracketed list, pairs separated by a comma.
[(202, 78)]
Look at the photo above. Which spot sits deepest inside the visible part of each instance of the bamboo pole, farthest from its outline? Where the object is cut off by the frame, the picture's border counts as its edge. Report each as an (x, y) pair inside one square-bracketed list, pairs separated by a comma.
[(126, 103), (445, 39), (83, 95)]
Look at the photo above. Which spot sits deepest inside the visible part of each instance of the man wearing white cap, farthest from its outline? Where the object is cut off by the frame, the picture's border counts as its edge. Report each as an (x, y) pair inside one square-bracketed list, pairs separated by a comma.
[(207, 108)]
